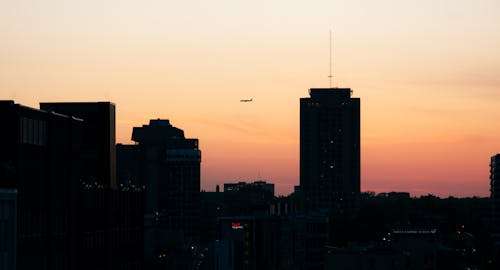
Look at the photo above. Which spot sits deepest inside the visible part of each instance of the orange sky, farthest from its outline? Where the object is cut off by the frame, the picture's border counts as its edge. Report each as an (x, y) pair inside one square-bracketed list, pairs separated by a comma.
[(427, 73)]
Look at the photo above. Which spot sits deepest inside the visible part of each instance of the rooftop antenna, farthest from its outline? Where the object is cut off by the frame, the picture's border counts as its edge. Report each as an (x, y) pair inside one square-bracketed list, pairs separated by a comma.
[(330, 76)]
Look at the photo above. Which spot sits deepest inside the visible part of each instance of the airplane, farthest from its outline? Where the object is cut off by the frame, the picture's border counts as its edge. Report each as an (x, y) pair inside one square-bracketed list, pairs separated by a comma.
[(246, 100)]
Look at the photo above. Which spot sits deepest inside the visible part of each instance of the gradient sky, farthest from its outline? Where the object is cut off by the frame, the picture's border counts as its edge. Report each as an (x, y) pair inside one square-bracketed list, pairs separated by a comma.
[(427, 73)]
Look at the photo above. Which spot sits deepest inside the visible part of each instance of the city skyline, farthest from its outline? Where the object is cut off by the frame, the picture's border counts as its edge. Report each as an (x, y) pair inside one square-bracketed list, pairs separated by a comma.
[(426, 73)]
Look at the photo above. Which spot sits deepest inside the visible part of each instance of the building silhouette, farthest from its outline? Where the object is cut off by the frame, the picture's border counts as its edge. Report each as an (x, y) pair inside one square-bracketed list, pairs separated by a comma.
[(98, 151), (330, 149), (63, 220), (211, 208), (168, 165), (257, 185), (247, 242), (39, 159), (243, 198)]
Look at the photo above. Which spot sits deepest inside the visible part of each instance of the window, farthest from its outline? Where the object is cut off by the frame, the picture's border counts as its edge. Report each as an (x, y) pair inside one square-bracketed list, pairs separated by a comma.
[(33, 131)]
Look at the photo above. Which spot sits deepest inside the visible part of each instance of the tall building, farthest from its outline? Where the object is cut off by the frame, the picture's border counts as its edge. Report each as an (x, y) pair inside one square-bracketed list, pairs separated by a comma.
[(110, 224), (168, 165), (39, 159), (330, 149), (63, 220), (98, 151)]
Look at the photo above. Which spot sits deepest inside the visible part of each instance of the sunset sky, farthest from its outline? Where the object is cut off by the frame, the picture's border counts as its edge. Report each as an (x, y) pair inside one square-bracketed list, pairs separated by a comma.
[(427, 73)]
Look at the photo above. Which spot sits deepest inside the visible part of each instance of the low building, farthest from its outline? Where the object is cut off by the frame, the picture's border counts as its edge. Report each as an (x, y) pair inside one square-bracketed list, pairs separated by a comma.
[(405, 247), (248, 199), (257, 185), (212, 208), (372, 257), (394, 195), (247, 242), (419, 243)]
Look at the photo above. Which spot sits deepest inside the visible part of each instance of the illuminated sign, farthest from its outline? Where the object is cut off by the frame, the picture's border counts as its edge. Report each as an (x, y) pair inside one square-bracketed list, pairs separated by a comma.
[(236, 225)]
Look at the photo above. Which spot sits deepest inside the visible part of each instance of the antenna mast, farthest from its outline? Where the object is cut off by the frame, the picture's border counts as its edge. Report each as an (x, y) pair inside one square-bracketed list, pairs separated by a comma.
[(330, 76)]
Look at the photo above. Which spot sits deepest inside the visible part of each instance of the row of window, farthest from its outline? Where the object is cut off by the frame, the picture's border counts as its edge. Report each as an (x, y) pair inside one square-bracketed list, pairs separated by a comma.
[(33, 131)]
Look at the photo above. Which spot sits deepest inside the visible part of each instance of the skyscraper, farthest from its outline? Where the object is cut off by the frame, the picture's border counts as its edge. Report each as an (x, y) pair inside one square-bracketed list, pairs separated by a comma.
[(330, 149), (168, 165)]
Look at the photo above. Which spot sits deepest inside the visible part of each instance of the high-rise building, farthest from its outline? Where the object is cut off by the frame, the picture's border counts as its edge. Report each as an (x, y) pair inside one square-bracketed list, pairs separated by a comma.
[(168, 165), (98, 151), (63, 220), (39, 159), (330, 149)]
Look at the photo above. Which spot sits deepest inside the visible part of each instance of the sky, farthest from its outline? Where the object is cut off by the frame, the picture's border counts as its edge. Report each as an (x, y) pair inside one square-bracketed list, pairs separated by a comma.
[(427, 73)]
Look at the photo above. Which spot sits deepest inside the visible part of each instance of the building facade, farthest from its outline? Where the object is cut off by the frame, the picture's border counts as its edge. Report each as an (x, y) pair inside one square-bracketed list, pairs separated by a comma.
[(330, 149)]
